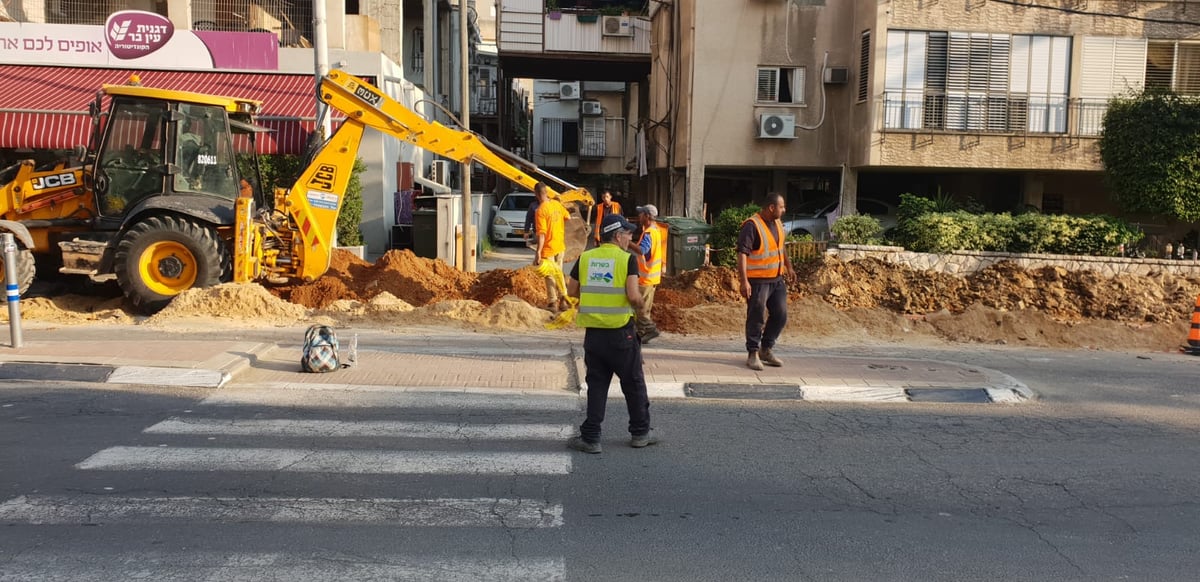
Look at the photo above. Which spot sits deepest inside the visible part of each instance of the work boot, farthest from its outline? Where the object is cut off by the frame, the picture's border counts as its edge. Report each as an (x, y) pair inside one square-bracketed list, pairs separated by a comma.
[(644, 440), (583, 446), (769, 358), (753, 362)]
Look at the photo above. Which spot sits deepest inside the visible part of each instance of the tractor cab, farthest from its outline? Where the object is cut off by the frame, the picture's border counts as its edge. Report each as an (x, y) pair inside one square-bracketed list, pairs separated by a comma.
[(156, 145)]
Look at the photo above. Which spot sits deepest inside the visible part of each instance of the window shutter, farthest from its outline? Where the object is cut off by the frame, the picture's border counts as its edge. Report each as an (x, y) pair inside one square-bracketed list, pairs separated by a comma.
[(1096, 64), (1020, 76), (1129, 65), (937, 45), (864, 66), (799, 83), (768, 85)]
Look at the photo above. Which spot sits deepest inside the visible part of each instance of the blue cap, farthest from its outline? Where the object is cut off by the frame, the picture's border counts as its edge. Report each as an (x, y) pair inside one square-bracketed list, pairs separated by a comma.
[(614, 222)]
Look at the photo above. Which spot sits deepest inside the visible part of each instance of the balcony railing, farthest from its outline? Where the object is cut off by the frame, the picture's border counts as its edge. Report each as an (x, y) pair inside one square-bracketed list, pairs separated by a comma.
[(1005, 113), (483, 100)]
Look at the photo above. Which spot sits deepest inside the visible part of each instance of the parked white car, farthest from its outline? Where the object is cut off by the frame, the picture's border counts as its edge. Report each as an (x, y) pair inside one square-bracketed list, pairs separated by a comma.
[(815, 217), (508, 221)]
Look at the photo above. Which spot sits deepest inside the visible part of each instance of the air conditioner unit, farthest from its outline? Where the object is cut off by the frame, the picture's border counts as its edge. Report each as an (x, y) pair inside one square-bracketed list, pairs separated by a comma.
[(773, 126), (440, 172), (837, 75), (616, 26), (592, 108), (568, 90)]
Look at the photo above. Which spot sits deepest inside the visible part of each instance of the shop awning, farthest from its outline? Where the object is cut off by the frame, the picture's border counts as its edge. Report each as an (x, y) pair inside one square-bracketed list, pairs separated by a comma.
[(46, 107)]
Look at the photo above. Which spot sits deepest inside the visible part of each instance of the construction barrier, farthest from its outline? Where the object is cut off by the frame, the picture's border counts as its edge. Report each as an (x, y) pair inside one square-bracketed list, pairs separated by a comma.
[(1193, 338)]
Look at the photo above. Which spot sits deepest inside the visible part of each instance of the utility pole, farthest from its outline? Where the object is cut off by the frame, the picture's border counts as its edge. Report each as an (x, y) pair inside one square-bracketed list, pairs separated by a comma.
[(321, 59), (468, 265)]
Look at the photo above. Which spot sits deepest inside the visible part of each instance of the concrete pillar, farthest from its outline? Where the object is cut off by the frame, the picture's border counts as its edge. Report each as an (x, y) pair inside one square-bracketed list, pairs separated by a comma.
[(849, 194), (691, 202), (1032, 188), (179, 12)]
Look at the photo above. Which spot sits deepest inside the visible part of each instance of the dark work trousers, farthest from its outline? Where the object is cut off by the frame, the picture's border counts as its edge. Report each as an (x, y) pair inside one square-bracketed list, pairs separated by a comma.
[(766, 313), (607, 352)]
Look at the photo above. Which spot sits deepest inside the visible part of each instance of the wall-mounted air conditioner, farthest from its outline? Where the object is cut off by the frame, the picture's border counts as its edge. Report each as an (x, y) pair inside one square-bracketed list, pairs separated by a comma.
[(439, 172), (616, 26), (774, 126), (568, 90), (591, 108), (837, 75)]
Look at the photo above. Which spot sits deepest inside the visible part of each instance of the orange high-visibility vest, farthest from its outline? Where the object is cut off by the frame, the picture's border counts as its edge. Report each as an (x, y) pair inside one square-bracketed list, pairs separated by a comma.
[(766, 262), (603, 210), (650, 270)]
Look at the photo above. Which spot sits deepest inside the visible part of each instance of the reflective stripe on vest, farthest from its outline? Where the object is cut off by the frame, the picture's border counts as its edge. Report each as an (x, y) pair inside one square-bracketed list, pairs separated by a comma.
[(602, 299), (650, 270), (766, 262)]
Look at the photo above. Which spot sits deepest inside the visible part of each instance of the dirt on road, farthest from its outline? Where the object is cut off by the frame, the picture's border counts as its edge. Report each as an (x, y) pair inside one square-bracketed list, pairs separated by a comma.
[(830, 302)]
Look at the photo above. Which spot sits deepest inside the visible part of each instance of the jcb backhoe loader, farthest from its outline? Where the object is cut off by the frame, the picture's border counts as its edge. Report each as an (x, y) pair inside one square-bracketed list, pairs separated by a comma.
[(158, 201)]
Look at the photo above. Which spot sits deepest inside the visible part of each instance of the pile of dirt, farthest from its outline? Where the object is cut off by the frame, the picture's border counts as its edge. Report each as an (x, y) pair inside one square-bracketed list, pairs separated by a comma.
[(831, 299), (415, 280)]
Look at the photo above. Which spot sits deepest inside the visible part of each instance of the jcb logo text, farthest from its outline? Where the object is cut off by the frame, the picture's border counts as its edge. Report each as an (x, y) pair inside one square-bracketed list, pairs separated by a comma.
[(323, 178), (55, 181)]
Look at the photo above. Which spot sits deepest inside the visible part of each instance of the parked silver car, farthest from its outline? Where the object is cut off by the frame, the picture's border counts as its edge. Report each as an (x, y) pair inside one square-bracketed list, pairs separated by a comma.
[(508, 221), (815, 217)]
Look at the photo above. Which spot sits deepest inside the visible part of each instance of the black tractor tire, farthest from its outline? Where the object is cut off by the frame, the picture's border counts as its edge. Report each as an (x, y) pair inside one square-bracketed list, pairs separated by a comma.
[(163, 256), (26, 269)]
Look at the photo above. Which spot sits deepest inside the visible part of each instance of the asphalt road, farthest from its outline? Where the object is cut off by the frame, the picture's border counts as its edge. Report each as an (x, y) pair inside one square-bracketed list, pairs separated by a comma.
[(1095, 480)]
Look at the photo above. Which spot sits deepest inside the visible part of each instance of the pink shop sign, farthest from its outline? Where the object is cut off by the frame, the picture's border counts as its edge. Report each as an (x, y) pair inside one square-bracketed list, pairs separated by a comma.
[(130, 34)]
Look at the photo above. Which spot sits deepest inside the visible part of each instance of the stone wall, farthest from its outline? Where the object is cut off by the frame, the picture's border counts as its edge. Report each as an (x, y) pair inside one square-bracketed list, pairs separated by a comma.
[(966, 262)]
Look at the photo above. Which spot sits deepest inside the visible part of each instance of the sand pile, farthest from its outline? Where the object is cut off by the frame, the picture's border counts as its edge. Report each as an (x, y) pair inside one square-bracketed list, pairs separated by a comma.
[(231, 302)]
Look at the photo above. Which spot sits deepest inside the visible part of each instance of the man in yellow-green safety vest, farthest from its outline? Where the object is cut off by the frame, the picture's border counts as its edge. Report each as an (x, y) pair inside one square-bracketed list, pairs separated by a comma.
[(606, 283)]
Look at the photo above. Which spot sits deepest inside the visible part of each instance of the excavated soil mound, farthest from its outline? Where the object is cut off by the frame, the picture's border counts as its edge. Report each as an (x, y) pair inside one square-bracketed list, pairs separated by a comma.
[(831, 300), (412, 279)]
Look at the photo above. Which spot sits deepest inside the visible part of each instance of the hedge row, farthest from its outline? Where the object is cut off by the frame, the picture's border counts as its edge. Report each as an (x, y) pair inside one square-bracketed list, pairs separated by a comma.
[(937, 232)]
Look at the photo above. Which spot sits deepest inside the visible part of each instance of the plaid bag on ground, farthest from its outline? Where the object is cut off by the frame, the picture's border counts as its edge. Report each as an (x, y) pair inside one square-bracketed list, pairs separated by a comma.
[(320, 350)]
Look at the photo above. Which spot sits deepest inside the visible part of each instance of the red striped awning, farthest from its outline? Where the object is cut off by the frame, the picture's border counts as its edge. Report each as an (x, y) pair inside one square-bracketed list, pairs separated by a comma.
[(46, 107)]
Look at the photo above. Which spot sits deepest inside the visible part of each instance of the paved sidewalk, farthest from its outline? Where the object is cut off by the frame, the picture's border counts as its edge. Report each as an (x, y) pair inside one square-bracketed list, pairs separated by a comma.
[(464, 361)]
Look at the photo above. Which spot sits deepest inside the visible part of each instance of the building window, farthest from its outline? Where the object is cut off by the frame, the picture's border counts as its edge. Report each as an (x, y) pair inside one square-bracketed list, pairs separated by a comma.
[(1108, 67), (976, 82), (780, 85), (560, 136), (1174, 66), (593, 138), (417, 59), (864, 66)]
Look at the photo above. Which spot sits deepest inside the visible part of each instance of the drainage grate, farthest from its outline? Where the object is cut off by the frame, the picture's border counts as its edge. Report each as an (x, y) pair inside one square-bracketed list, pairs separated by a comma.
[(60, 372), (960, 395), (744, 391)]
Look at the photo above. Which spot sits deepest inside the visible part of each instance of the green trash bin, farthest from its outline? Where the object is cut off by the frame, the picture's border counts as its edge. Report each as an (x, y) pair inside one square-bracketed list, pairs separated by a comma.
[(686, 240), (424, 233)]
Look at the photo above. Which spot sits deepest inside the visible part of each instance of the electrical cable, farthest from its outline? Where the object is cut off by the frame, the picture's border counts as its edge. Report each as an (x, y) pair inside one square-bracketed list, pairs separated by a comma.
[(824, 101), (1101, 14)]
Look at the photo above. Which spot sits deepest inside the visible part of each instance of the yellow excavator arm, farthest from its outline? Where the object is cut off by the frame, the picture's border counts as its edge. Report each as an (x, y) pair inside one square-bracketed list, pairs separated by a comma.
[(365, 104), (296, 241)]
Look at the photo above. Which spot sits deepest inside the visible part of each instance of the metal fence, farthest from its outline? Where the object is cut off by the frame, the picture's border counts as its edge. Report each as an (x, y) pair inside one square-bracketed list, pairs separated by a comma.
[(991, 113), (290, 20)]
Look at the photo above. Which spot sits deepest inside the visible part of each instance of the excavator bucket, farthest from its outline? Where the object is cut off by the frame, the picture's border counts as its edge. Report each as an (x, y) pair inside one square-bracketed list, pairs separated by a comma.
[(577, 235)]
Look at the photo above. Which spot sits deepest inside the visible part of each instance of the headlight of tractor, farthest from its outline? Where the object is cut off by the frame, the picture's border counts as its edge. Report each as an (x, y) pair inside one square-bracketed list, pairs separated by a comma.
[(499, 221)]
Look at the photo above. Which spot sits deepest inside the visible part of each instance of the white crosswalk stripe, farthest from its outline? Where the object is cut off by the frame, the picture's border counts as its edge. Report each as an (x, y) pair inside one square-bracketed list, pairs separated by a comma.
[(326, 461), (339, 428), (330, 446), (67, 510), (195, 566)]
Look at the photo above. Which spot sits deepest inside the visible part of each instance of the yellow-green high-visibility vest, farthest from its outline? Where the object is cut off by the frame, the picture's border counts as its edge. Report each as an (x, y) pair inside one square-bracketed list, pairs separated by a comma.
[(602, 300)]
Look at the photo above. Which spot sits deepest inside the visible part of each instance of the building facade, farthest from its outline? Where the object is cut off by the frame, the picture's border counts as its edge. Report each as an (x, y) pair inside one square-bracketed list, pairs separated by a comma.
[(996, 101)]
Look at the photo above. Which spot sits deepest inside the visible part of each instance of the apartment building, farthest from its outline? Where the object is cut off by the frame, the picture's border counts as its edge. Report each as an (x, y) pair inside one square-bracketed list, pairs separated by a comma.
[(1001, 101)]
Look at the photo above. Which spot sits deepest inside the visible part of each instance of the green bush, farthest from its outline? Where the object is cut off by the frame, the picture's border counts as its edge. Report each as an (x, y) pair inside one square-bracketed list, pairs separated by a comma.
[(857, 229), (282, 170), (725, 232), (939, 232)]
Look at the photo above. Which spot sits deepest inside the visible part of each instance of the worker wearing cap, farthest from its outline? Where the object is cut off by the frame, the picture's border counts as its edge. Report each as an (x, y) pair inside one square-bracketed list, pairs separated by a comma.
[(604, 279), (604, 208), (651, 253), (550, 226)]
